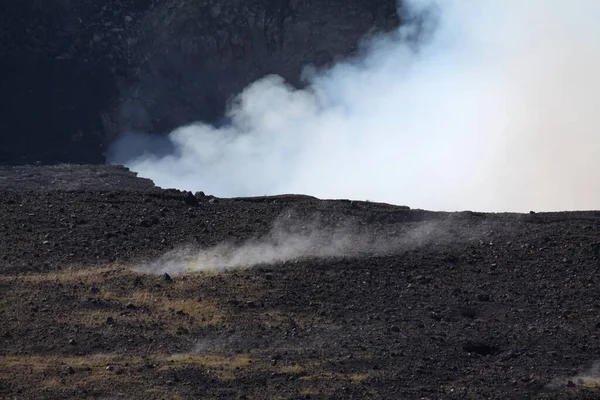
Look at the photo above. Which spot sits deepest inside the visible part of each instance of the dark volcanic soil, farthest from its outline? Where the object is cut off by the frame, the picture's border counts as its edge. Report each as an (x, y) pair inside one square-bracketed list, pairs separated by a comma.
[(454, 305)]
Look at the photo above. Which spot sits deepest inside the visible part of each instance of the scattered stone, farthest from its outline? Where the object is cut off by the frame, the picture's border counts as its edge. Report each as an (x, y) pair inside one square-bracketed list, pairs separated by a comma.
[(127, 19), (167, 278), (468, 313), (72, 342), (596, 250), (110, 321), (481, 348), (191, 200), (109, 368), (483, 297), (138, 281), (70, 370)]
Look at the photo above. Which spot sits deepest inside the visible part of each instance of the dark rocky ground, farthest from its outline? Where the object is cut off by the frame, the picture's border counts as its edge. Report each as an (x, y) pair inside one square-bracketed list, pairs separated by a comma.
[(461, 305)]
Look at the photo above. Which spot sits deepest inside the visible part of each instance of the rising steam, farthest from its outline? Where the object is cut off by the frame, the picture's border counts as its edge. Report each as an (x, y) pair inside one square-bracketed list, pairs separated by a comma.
[(495, 108), (296, 239)]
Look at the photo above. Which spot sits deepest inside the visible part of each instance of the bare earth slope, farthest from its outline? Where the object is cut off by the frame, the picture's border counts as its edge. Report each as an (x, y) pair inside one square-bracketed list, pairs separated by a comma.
[(453, 305)]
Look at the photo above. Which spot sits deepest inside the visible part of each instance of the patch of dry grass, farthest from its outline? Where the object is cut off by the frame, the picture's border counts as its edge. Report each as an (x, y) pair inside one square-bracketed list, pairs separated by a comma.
[(88, 276), (335, 376), (204, 311), (210, 361), (91, 361)]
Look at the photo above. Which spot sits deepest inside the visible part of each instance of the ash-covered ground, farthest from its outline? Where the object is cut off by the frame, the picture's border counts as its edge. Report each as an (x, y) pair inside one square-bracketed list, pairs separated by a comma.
[(113, 288)]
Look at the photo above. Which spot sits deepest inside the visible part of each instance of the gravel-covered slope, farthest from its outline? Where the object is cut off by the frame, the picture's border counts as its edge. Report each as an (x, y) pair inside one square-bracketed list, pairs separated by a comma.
[(452, 305)]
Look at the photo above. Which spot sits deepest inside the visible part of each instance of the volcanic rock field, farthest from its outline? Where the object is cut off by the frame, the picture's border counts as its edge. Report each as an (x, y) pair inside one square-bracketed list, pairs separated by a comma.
[(106, 292)]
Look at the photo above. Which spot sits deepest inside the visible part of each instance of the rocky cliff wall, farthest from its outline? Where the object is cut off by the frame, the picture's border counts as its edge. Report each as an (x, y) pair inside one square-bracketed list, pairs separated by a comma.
[(79, 72)]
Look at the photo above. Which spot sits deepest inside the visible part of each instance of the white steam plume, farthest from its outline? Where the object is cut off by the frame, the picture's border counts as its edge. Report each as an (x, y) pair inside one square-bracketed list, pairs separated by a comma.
[(497, 110)]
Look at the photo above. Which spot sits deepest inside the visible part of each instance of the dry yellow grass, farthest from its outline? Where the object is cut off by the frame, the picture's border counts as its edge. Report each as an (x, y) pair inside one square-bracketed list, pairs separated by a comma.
[(210, 361), (291, 369), (206, 312), (354, 378), (92, 361), (88, 275)]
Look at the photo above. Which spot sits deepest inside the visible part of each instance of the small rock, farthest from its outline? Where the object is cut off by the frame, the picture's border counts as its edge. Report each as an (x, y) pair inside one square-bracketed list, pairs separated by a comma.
[(484, 349), (144, 223), (468, 313), (395, 328), (69, 370), (483, 297), (110, 321), (191, 200), (570, 383), (127, 19), (215, 11), (109, 367), (72, 342), (167, 278)]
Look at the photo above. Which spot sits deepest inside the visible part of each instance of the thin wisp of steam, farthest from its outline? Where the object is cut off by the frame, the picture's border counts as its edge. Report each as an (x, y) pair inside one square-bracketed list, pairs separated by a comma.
[(493, 108), (589, 379), (293, 239)]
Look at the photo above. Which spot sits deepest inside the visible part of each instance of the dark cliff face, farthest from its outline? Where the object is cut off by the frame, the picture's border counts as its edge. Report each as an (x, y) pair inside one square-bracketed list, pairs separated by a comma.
[(76, 73)]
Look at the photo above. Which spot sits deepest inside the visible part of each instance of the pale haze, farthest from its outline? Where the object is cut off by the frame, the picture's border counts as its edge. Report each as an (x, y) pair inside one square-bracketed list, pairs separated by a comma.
[(495, 109)]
